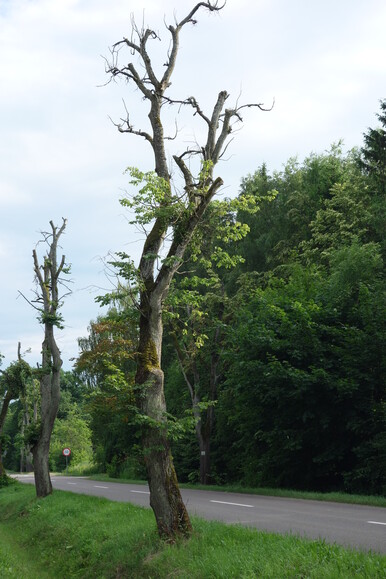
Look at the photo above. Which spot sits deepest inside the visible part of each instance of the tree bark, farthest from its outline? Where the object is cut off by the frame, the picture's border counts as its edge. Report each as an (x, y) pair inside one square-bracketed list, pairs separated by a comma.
[(165, 498), (50, 396)]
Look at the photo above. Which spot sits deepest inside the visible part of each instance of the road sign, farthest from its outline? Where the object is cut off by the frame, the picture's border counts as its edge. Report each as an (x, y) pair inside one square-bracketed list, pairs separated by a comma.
[(66, 451)]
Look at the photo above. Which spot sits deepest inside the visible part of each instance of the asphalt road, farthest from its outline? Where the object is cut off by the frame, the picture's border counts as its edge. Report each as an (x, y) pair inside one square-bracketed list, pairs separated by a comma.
[(354, 526)]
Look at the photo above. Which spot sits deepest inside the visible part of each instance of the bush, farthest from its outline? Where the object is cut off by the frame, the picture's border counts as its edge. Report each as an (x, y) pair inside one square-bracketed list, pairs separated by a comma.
[(6, 480)]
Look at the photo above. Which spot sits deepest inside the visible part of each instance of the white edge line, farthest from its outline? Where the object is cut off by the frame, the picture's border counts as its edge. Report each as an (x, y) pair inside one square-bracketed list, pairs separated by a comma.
[(234, 504), (99, 487), (71, 483), (376, 523), (141, 492)]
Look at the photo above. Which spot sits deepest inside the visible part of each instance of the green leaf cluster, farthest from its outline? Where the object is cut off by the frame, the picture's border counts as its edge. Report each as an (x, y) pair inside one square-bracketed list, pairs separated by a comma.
[(153, 200)]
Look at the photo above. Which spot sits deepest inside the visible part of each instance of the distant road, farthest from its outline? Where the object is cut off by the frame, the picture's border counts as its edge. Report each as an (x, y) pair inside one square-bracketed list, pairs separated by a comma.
[(354, 526)]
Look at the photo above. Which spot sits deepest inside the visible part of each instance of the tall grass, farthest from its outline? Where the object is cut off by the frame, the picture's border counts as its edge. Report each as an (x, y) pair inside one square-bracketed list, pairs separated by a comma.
[(68, 535), (82, 469)]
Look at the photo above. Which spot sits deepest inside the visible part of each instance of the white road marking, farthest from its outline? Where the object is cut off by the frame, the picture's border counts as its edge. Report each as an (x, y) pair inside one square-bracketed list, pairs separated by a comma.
[(71, 483), (376, 523), (234, 504), (141, 492), (99, 487)]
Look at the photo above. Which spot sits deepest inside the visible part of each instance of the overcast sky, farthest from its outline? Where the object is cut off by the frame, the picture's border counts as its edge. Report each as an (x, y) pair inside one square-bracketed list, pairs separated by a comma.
[(323, 61)]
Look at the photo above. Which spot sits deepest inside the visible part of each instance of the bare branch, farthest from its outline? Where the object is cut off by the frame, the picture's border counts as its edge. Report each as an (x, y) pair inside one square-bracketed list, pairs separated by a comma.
[(37, 268), (61, 266), (175, 31), (29, 301), (146, 59), (259, 106), (188, 177), (63, 227), (189, 101), (225, 131), (130, 128), (213, 126), (129, 71), (175, 134), (225, 148), (129, 43), (211, 6), (191, 152)]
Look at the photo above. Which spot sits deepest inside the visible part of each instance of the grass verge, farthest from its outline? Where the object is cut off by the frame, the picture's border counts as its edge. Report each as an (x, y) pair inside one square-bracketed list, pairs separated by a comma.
[(67, 536), (369, 500)]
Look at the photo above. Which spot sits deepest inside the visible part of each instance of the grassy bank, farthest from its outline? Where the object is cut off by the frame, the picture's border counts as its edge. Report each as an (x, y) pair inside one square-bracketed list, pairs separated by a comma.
[(68, 535), (369, 500)]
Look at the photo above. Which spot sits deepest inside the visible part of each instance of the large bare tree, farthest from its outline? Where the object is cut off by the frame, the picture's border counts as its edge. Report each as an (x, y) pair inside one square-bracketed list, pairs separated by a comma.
[(49, 277), (175, 216)]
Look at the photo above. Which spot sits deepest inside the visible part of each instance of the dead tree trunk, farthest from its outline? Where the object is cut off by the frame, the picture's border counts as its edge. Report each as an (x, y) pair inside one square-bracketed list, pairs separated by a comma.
[(178, 218), (48, 280)]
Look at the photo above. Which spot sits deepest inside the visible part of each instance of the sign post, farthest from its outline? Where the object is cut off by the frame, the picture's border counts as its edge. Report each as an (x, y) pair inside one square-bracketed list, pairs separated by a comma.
[(66, 452)]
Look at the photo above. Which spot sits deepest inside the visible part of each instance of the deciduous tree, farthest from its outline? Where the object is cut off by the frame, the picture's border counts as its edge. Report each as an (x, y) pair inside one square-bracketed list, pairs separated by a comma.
[(12, 385), (171, 213), (106, 364), (198, 307)]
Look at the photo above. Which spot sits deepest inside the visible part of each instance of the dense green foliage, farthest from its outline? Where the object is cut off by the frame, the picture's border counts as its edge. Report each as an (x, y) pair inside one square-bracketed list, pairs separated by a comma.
[(301, 406), (67, 535), (71, 426), (106, 365), (301, 402), (274, 340)]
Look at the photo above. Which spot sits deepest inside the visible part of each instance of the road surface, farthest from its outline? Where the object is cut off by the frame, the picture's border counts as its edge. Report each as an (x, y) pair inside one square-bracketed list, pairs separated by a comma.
[(353, 526)]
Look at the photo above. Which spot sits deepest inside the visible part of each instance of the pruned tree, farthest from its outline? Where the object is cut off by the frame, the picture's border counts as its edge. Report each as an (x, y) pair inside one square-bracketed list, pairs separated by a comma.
[(171, 215), (49, 277)]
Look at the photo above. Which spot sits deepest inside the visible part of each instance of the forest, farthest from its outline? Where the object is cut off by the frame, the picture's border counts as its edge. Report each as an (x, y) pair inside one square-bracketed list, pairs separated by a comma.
[(273, 348)]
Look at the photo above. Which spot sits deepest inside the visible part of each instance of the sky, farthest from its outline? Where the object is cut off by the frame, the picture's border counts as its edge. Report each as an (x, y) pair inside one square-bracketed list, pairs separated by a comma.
[(323, 62)]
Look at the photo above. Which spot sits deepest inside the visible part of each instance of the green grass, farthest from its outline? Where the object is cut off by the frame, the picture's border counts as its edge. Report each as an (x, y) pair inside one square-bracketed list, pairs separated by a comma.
[(369, 500), (67, 535), (14, 561)]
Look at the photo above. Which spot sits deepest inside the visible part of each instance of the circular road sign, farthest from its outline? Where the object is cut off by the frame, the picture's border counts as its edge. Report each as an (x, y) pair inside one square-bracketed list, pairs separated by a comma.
[(66, 451)]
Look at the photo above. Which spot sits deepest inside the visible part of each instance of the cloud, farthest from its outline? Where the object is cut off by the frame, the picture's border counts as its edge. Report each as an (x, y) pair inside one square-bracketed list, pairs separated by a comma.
[(60, 155)]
